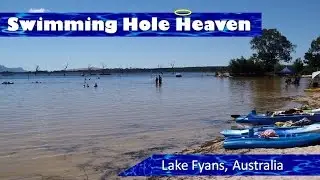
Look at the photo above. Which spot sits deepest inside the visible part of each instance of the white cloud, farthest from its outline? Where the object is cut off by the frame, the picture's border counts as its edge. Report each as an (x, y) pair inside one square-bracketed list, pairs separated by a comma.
[(41, 10)]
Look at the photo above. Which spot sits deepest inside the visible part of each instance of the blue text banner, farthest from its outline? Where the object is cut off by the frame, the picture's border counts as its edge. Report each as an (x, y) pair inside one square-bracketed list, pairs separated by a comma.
[(226, 165), (130, 25)]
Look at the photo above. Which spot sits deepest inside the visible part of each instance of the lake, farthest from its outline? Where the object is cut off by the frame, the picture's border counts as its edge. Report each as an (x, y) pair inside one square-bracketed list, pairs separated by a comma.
[(59, 129)]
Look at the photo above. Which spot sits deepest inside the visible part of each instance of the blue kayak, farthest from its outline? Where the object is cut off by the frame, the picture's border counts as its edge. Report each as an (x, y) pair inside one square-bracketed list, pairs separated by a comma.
[(288, 141), (255, 119), (281, 131), (276, 112)]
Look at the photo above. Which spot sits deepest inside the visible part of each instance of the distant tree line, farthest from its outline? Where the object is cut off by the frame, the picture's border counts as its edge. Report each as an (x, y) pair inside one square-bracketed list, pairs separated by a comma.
[(270, 50), (91, 71)]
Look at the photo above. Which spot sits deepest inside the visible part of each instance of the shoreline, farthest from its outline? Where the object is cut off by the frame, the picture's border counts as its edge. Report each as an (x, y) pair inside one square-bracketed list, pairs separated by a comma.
[(215, 146)]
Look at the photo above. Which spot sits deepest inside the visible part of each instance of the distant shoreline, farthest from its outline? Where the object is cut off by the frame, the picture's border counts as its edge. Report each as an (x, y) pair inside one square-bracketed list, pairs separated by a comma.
[(123, 70)]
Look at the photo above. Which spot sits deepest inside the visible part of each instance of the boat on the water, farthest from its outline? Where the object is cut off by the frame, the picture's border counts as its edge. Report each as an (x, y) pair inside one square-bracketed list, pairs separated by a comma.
[(281, 131), (7, 82), (306, 76), (287, 141), (262, 119), (178, 75)]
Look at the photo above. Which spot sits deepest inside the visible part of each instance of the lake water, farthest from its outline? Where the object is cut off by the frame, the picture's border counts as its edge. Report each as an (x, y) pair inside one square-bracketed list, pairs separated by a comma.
[(58, 129)]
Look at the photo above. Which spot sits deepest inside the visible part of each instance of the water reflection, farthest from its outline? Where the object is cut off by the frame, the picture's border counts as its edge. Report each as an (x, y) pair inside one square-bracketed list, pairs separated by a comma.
[(159, 88), (262, 94)]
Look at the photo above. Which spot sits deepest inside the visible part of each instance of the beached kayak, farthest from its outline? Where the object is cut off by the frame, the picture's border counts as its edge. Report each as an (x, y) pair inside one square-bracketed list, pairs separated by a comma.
[(312, 111), (288, 141), (255, 119), (277, 113), (281, 131), (312, 90)]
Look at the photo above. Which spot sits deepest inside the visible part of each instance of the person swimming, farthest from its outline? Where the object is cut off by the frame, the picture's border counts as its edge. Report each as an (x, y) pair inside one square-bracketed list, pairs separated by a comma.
[(95, 85)]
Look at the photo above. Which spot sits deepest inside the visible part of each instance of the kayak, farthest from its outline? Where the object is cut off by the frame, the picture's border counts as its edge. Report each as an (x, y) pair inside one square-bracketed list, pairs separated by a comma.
[(278, 113), (312, 111), (288, 141), (255, 119), (281, 131), (7, 82), (312, 90)]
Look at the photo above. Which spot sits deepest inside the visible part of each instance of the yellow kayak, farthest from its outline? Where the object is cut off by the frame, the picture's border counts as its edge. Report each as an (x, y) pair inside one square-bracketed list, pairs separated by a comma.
[(312, 90)]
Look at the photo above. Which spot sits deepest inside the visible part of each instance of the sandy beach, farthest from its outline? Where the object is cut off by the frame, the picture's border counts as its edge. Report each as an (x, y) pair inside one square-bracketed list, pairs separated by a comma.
[(216, 147)]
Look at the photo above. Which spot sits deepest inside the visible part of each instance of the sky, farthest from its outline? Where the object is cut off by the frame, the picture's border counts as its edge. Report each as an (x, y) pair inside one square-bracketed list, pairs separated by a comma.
[(298, 20)]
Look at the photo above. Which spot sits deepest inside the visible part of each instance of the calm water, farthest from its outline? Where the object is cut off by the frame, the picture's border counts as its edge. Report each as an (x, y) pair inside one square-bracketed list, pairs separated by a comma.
[(59, 129)]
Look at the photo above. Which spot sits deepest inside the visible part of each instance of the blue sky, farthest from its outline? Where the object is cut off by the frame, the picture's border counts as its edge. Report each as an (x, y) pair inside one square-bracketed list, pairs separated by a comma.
[(298, 20)]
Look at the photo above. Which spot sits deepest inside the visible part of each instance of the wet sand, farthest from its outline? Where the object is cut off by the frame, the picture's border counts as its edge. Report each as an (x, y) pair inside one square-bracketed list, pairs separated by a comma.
[(311, 99), (216, 147)]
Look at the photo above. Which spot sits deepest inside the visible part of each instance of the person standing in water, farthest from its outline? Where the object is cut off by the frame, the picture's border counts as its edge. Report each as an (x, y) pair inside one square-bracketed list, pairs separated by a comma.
[(160, 80), (157, 81)]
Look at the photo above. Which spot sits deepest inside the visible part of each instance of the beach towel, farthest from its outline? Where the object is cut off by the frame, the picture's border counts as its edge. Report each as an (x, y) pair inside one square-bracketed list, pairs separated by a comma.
[(284, 124), (302, 122), (268, 133)]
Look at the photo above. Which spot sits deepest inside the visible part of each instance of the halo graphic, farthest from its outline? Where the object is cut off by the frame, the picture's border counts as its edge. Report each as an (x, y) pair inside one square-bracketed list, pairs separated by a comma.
[(182, 12)]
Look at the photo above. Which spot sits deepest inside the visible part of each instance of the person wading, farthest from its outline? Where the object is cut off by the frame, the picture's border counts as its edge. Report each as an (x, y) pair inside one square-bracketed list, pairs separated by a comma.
[(160, 80)]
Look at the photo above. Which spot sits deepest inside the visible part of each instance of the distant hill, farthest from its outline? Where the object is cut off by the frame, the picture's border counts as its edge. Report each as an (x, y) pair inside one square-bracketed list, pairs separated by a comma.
[(4, 69), (85, 69)]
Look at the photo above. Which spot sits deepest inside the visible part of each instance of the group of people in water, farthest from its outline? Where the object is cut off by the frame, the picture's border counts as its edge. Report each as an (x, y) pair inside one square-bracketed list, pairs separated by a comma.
[(87, 85), (295, 81)]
